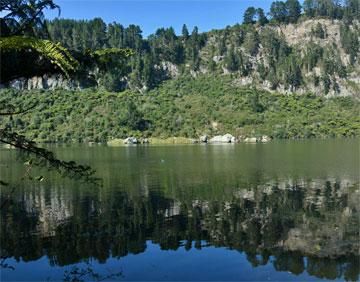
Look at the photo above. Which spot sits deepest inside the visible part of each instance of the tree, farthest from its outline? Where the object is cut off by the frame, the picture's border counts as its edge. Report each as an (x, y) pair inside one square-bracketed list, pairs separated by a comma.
[(24, 16), (262, 19), (222, 45), (350, 42), (293, 10), (292, 72), (318, 31), (194, 48), (251, 43), (115, 35), (133, 118), (278, 11), (57, 54), (324, 8), (148, 71), (231, 60), (309, 8), (352, 10), (249, 15), (185, 32)]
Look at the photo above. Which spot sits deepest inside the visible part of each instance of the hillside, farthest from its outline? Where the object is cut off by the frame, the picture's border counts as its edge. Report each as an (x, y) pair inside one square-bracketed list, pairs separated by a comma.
[(185, 107), (295, 74), (315, 55)]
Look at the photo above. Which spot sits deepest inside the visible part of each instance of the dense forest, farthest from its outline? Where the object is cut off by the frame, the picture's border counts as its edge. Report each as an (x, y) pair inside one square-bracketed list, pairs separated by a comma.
[(184, 107), (193, 83), (253, 49)]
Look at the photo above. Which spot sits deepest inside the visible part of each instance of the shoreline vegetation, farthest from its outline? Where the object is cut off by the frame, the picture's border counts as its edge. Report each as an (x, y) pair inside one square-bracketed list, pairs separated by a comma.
[(219, 139), (180, 111)]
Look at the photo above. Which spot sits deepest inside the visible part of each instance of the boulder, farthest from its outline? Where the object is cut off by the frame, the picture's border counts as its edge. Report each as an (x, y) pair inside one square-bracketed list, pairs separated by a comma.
[(203, 139), (265, 139), (227, 138), (250, 140), (131, 140)]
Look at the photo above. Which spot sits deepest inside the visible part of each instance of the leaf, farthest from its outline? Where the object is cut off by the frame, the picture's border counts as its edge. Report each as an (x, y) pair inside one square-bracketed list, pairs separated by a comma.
[(56, 53), (29, 162), (39, 178)]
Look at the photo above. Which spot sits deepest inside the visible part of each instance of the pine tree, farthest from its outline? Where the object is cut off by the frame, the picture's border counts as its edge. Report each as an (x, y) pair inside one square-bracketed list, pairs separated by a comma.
[(262, 19), (185, 32), (293, 10), (222, 45), (231, 60), (249, 15)]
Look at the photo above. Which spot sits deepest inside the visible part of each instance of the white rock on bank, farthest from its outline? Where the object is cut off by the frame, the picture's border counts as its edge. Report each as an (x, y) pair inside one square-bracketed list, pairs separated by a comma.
[(203, 139), (250, 140), (227, 138), (265, 139), (131, 140)]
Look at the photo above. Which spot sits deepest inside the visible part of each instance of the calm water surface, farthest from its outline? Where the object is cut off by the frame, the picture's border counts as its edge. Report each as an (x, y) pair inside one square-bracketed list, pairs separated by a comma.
[(278, 211)]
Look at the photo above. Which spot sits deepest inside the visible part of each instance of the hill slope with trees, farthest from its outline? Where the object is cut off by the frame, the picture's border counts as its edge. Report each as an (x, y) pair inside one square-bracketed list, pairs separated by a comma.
[(284, 75), (295, 48), (182, 107)]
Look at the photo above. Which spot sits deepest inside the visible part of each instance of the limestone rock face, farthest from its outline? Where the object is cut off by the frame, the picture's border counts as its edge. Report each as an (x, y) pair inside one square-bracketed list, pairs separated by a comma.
[(171, 69), (51, 82)]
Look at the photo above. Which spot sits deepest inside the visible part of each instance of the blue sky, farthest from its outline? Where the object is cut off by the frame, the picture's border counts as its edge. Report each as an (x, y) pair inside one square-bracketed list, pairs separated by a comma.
[(150, 15)]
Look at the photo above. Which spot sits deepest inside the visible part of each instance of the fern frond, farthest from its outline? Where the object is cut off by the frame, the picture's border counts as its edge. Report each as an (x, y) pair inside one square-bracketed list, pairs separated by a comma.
[(108, 54), (114, 51), (56, 53)]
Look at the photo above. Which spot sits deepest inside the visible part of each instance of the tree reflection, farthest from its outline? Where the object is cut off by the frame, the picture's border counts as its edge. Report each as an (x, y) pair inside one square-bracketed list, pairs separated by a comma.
[(312, 230)]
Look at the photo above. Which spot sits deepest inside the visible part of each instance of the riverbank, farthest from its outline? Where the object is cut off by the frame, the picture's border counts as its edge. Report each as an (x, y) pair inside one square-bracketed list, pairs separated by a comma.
[(226, 138)]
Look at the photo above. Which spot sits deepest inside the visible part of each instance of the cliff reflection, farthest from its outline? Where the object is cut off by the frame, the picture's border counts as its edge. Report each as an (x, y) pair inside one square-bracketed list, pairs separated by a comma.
[(312, 226)]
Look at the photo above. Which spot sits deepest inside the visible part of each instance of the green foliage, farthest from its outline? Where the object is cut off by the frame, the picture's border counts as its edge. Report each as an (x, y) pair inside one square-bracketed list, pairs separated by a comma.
[(57, 54), (24, 17), (292, 72), (318, 31), (249, 15), (313, 54), (285, 12), (350, 42), (251, 43), (262, 19), (293, 10), (278, 11), (101, 48), (231, 60), (185, 107), (325, 8)]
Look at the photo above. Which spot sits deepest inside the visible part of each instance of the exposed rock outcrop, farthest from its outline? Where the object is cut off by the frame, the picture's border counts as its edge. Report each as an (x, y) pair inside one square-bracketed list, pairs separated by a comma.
[(131, 140), (55, 81), (227, 138)]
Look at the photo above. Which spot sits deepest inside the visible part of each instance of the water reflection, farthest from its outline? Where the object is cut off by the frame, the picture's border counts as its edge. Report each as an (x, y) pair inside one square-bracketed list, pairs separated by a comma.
[(305, 226)]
